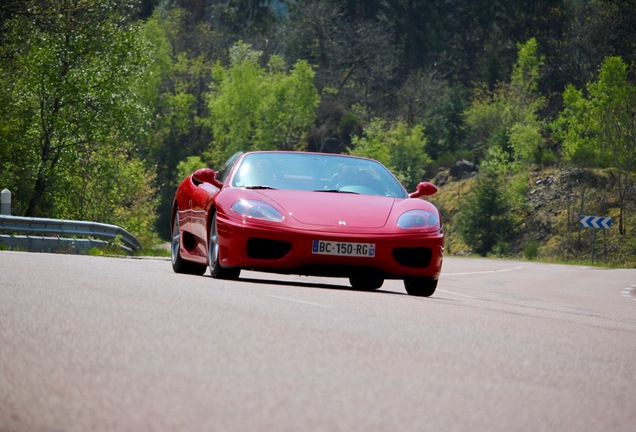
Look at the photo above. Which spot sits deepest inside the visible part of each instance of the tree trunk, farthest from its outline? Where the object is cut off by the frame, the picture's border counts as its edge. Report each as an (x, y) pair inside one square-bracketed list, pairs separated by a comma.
[(36, 195)]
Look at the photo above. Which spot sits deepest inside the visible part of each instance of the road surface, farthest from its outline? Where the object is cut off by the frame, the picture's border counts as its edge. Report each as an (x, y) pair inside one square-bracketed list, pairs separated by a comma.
[(121, 344)]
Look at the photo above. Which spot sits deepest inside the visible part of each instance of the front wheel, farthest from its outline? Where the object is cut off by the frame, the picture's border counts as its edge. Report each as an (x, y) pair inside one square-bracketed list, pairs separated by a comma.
[(420, 287), (216, 271), (179, 265)]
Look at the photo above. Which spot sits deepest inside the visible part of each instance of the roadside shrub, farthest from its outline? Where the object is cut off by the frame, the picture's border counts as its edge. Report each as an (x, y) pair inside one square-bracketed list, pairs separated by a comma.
[(531, 250)]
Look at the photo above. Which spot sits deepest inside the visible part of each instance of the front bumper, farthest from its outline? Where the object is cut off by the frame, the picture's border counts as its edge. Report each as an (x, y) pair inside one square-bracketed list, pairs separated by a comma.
[(282, 250)]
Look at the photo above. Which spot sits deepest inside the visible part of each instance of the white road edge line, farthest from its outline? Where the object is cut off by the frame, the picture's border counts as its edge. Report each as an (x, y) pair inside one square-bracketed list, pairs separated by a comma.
[(298, 301), (457, 294), (627, 292), (482, 272), (474, 273)]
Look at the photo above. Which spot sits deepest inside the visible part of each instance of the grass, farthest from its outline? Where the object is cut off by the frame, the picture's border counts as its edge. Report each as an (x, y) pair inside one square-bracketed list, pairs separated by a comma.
[(162, 250)]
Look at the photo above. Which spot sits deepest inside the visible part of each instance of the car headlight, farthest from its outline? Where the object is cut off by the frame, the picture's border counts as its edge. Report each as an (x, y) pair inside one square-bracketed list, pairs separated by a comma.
[(257, 210), (418, 219)]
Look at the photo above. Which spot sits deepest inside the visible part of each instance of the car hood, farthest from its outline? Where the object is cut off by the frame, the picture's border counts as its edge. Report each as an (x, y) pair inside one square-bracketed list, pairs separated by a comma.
[(334, 209)]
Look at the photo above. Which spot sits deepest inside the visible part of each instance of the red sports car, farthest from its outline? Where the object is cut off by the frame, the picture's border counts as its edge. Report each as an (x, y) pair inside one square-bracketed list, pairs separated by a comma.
[(309, 214)]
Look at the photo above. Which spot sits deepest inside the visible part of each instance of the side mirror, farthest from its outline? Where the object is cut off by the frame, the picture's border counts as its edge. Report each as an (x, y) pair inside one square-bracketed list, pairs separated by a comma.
[(206, 175), (424, 189)]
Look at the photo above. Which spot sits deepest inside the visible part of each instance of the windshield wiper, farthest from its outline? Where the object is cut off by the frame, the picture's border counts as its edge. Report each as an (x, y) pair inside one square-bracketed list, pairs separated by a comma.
[(260, 187), (336, 191)]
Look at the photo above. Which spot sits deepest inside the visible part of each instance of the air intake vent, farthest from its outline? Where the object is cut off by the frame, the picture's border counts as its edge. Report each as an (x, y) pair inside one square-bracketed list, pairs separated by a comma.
[(413, 257), (267, 249)]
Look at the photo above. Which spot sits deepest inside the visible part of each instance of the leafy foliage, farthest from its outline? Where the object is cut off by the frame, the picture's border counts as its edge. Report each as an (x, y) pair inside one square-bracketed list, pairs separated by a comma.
[(400, 148), (488, 218), (252, 107), (508, 117), (601, 129), (188, 166), (69, 87)]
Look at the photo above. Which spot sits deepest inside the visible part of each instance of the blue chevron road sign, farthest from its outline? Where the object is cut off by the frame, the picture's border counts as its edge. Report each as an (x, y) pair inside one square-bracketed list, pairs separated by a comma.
[(595, 222)]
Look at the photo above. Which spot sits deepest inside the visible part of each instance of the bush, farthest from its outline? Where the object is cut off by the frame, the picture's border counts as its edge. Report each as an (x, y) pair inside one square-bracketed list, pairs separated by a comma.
[(531, 250)]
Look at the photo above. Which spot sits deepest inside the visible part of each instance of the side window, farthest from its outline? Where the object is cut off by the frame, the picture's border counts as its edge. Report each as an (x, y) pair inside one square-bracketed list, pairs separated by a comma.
[(222, 174)]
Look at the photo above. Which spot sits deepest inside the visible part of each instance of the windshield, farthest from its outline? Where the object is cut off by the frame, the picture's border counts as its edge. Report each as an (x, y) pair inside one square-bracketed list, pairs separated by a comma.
[(316, 172)]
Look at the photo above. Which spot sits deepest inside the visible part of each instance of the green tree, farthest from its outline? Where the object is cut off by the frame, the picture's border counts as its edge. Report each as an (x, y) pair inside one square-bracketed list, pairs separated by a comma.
[(487, 217), (188, 166), (508, 117), (68, 104), (400, 147), (252, 107), (105, 184), (174, 87), (613, 100), (424, 98), (573, 128), (355, 58), (600, 129), (594, 30)]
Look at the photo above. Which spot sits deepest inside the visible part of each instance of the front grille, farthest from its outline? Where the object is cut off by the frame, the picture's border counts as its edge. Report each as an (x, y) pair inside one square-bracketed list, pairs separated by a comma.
[(413, 257), (267, 249)]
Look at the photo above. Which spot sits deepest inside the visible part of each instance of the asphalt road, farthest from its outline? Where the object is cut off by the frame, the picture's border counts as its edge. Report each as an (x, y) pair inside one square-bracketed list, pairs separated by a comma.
[(118, 344)]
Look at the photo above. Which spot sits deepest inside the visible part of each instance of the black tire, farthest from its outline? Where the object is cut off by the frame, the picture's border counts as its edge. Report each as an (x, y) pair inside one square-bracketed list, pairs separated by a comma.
[(179, 265), (216, 271), (420, 287), (366, 282)]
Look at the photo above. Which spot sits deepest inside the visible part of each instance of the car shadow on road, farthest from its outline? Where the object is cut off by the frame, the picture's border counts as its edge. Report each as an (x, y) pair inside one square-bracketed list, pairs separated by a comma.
[(315, 285)]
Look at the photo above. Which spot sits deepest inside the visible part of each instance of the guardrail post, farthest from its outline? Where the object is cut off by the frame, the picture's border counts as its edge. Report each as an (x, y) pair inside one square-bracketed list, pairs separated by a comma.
[(5, 202)]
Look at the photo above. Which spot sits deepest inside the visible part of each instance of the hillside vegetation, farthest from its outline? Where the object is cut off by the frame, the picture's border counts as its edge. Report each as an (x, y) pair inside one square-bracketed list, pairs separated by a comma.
[(105, 105), (549, 228)]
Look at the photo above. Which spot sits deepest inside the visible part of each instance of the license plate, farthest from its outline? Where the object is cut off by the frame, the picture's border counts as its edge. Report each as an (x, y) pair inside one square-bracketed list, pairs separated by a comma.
[(323, 247)]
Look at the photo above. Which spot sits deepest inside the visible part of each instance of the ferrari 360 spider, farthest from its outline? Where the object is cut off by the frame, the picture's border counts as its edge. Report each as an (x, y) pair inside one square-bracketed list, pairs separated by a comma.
[(309, 214)]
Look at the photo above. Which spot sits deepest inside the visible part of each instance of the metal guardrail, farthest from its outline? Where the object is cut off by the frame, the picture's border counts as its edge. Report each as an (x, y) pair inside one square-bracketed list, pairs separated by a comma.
[(41, 234)]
